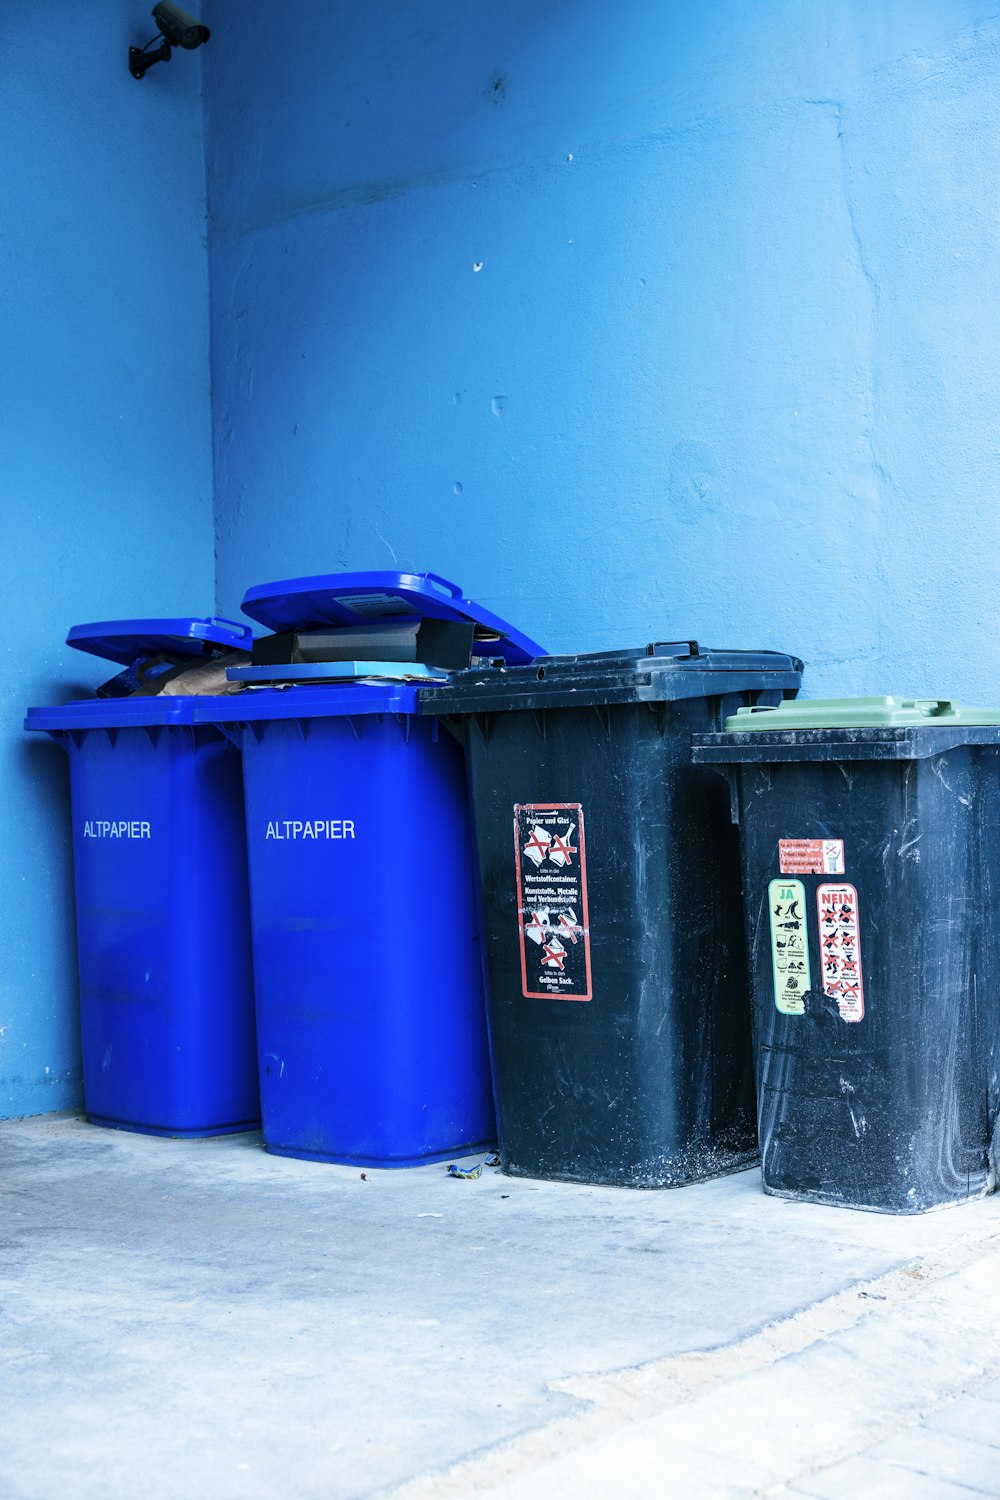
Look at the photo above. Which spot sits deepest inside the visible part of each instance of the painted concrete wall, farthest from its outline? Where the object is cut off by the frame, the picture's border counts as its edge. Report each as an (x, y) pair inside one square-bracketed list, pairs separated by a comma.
[(647, 320), (641, 320), (105, 485)]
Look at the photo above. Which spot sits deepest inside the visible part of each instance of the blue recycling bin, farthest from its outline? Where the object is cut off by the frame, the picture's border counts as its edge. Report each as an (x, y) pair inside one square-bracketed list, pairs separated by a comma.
[(366, 935), (159, 848)]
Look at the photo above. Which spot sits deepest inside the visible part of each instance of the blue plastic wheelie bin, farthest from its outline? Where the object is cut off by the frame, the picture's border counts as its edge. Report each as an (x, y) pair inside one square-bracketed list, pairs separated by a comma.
[(166, 991), (366, 932)]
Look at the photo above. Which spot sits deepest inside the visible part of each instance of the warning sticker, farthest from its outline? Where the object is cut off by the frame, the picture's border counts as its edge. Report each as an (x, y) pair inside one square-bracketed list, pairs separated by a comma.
[(840, 946), (553, 921), (811, 856), (789, 945)]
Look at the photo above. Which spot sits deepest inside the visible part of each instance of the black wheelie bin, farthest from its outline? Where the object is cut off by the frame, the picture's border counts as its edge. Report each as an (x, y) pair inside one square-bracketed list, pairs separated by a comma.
[(871, 871), (618, 1015)]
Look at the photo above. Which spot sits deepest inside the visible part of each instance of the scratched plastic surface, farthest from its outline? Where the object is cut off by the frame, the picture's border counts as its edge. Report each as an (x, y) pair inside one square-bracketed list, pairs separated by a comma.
[(649, 1083), (163, 931), (893, 1111)]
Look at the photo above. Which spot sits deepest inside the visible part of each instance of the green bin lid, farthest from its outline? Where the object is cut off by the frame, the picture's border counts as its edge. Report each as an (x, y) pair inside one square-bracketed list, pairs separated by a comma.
[(858, 713)]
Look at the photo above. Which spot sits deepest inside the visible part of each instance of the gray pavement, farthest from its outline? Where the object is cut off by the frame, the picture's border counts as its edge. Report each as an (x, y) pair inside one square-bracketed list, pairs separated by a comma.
[(201, 1319)]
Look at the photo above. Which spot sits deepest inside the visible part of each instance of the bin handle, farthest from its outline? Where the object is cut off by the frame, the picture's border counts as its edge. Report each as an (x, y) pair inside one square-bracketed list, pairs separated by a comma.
[(931, 707), (662, 648), (240, 625), (444, 583)]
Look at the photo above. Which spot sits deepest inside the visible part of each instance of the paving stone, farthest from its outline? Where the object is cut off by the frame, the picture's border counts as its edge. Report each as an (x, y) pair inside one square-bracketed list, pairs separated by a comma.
[(925, 1450), (969, 1417), (864, 1478)]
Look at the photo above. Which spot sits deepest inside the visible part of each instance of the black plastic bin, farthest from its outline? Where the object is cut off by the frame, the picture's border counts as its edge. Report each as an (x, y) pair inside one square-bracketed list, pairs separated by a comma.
[(871, 870), (618, 1015)]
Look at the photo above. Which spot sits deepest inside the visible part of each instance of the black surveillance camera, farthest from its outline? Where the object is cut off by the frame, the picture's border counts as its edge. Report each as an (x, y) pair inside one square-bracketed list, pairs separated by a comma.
[(177, 29)]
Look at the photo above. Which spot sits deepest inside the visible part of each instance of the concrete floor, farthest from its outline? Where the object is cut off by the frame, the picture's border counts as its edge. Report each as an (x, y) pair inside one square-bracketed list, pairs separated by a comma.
[(198, 1319)]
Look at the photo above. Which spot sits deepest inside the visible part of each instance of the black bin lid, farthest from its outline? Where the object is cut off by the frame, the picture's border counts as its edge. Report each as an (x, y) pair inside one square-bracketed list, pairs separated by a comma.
[(656, 673)]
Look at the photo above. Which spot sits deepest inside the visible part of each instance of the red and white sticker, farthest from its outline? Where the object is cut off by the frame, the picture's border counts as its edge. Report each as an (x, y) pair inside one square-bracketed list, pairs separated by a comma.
[(811, 856), (553, 919), (840, 949)]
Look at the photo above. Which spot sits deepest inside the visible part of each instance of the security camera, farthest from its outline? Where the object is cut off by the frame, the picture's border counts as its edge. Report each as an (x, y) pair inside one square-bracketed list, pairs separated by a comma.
[(177, 29)]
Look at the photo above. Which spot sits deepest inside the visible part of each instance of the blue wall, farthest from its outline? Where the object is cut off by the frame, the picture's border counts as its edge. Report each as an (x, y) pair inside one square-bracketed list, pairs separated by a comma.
[(642, 320), (105, 486), (728, 366)]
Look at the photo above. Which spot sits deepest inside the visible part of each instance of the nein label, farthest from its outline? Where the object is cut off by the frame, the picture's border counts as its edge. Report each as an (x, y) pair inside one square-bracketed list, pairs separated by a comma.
[(839, 944)]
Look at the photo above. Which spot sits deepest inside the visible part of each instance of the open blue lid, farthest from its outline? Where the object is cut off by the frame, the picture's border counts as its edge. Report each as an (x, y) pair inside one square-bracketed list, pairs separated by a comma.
[(331, 599), (126, 641)]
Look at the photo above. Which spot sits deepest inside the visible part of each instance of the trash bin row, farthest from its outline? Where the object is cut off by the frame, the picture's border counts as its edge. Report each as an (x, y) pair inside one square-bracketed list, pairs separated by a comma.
[(590, 1000)]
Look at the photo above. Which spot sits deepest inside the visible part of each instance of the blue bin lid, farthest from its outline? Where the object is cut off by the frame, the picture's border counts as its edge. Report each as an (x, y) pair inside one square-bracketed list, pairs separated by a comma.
[(112, 713), (127, 641), (331, 599), (332, 701)]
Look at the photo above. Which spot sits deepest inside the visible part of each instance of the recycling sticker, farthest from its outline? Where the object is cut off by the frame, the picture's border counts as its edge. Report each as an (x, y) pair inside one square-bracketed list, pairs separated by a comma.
[(789, 945), (840, 944), (553, 921)]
